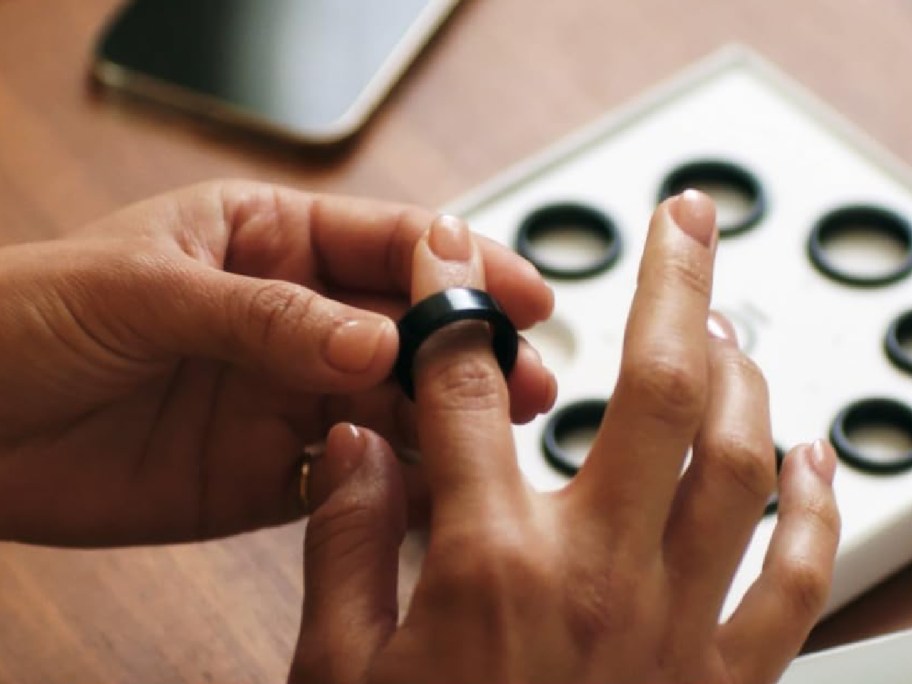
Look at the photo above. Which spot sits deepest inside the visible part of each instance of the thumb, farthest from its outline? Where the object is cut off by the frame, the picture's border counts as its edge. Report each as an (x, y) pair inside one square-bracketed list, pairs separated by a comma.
[(351, 557), (284, 329)]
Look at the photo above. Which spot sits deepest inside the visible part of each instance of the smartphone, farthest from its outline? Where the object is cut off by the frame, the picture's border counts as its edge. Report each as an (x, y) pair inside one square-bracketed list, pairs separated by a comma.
[(309, 70)]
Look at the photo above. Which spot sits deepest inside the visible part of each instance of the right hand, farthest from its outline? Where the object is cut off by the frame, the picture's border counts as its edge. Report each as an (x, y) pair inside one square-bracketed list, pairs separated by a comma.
[(618, 578), (163, 369)]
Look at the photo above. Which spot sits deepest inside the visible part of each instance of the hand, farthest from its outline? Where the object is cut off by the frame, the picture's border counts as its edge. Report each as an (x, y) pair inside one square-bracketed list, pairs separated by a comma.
[(162, 370), (619, 577)]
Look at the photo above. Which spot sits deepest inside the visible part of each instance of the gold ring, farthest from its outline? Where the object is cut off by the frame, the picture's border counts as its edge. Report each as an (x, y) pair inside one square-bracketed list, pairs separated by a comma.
[(308, 455), (303, 486)]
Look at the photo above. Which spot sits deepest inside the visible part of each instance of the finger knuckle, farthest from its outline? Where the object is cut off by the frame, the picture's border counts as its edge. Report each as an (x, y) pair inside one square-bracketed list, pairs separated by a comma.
[(669, 386), (464, 381), (682, 272), (271, 307), (600, 605), (677, 271), (805, 587), (746, 461), (245, 203), (747, 371), (823, 514), (499, 564)]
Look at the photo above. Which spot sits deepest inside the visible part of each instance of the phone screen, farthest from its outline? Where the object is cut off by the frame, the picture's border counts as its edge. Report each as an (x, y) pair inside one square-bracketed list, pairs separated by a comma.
[(314, 68)]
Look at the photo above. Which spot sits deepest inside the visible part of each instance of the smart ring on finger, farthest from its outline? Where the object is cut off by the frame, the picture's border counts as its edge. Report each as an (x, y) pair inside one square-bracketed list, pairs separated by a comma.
[(569, 433), (442, 309)]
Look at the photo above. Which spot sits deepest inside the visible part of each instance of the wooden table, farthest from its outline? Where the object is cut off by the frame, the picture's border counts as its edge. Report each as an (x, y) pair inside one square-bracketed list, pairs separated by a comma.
[(505, 78)]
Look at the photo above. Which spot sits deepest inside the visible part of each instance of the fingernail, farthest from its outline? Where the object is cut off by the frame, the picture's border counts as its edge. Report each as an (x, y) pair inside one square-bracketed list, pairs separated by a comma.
[(346, 439), (536, 357), (345, 448), (551, 391), (822, 461), (449, 239), (353, 345), (721, 328), (695, 214)]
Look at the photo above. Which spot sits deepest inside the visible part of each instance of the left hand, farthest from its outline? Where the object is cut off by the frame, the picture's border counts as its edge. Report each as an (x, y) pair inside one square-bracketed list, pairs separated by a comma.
[(620, 577), (161, 370)]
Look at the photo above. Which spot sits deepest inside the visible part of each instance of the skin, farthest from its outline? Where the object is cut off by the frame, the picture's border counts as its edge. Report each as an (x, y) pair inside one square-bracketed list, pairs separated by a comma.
[(165, 367), (619, 577)]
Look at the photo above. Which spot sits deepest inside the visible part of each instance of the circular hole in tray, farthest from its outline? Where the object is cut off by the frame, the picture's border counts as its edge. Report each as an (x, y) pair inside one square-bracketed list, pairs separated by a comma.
[(739, 197), (772, 504), (874, 435), (898, 342), (569, 434), (864, 246), (555, 341), (569, 241)]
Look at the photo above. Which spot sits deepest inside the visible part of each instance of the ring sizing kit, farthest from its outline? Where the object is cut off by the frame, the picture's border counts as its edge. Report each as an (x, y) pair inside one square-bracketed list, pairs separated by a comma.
[(813, 269)]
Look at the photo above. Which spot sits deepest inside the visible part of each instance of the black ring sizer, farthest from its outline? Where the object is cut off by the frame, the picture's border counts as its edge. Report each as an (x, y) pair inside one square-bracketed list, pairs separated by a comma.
[(708, 171), (440, 310), (844, 219), (900, 332), (578, 415), (877, 411), (772, 503), (555, 218)]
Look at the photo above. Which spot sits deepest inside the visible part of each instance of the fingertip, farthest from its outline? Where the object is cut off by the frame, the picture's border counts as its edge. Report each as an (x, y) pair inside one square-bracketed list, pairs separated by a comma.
[(446, 256), (449, 239), (806, 487), (349, 449), (341, 456), (823, 460), (816, 459), (694, 213), (545, 306), (363, 344), (347, 442), (532, 386), (542, 305)]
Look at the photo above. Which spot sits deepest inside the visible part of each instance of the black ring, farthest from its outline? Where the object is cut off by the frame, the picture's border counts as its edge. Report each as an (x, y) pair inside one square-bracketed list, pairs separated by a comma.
[(871, 411), (772, 503), (441, 309), (695, 173), (845, 218), (899, 330), (581, 414), (581, 217)]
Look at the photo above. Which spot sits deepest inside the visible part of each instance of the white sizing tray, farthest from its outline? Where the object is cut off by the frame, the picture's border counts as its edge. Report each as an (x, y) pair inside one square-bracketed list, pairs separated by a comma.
[(884, 660), (818, 341)]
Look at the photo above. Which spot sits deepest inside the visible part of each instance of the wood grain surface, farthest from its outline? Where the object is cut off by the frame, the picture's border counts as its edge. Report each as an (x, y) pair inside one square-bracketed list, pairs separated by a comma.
[(503, 79)]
